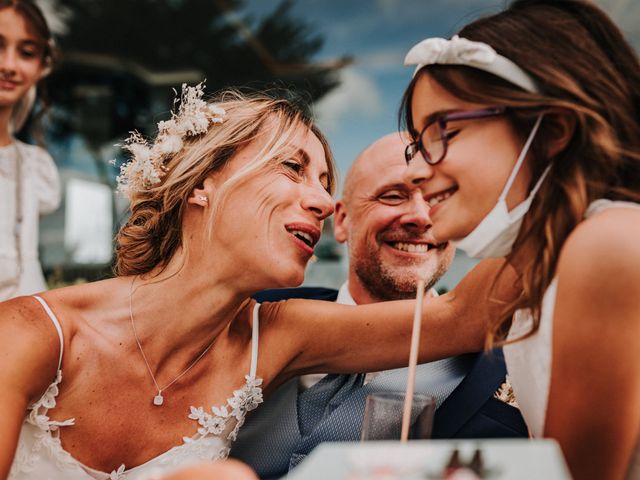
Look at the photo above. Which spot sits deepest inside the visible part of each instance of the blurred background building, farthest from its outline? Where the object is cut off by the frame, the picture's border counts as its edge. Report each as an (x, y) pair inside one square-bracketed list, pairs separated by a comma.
[(123, 58)]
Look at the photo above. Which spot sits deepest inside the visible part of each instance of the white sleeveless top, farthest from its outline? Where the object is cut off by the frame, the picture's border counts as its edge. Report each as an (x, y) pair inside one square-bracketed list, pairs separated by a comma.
[(40, 454), (529, 361)]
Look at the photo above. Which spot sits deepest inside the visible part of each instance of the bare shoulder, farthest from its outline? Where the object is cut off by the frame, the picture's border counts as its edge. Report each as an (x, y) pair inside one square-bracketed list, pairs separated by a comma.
[(25, 318), (596, 340), (86, 296), (605, 244), (30, 343), (600, 261), (29, 339)]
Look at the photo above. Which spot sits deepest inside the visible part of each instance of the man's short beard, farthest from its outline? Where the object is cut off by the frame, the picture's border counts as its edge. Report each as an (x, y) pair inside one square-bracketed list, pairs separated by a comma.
[(386, 284)]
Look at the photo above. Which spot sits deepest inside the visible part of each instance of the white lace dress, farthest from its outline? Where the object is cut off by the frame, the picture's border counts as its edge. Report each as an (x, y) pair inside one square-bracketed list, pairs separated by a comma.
[(40, 454), (529, 361), (29, 171)]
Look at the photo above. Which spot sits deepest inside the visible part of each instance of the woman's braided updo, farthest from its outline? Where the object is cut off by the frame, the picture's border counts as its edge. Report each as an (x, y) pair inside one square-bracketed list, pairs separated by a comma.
[(153, 232)]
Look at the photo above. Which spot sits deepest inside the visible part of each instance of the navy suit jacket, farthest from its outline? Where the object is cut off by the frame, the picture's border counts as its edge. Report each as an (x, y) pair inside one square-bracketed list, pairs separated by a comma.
[(282, 431)]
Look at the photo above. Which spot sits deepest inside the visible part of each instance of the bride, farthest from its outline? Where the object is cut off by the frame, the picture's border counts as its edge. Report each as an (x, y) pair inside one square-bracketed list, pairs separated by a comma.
[(156, 368)]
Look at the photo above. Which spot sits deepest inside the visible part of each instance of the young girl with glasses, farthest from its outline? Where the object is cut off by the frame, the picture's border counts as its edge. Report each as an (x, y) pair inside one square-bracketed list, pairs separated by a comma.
[(526, 144)]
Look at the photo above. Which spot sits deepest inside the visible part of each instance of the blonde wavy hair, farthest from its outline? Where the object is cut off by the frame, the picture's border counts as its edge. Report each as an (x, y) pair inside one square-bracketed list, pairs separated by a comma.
[(153, 233)]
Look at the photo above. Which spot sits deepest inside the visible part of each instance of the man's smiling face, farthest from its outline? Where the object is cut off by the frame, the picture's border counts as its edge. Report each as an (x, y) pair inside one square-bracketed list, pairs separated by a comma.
[(387, 226)]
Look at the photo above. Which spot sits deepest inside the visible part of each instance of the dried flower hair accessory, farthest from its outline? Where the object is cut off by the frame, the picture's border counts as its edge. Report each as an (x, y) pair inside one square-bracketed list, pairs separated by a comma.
[(146, 166)]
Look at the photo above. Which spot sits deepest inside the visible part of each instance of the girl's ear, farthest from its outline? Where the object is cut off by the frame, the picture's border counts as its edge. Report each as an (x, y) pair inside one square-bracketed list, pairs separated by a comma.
[(202, 194), (561, 125)]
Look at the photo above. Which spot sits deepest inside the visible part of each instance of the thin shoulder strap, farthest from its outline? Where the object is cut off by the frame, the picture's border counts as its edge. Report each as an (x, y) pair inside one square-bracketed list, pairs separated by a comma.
[(254, 339), (56, 324)]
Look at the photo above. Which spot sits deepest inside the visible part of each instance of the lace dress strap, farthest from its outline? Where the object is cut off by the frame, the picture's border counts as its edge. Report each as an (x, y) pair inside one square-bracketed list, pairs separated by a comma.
[(56, 324), (254, 340)]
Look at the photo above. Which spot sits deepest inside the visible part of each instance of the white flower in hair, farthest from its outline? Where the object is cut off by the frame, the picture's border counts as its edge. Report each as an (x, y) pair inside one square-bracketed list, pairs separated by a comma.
[(170, 144), (217, 113), (146, 167)]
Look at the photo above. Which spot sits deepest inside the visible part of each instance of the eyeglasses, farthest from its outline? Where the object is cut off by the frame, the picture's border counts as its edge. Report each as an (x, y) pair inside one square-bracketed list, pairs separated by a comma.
[(433, 140)]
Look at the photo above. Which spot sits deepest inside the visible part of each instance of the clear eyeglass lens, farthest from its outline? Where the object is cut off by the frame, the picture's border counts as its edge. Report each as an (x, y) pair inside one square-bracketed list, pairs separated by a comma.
[(432, 142)]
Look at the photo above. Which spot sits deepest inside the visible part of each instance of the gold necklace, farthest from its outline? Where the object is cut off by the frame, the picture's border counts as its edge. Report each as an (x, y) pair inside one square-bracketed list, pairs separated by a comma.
[(158, 399)]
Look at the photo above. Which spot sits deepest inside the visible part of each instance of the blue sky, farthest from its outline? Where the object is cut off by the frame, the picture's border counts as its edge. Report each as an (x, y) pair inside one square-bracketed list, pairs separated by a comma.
[(377, 34)]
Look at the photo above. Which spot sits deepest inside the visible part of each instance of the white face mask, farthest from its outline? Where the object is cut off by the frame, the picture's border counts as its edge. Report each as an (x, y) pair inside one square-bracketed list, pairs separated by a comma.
[(495, 235)]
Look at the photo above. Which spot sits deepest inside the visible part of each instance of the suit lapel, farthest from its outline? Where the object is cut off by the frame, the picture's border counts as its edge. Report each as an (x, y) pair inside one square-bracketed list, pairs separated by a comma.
[(338, 420), (482, 381)]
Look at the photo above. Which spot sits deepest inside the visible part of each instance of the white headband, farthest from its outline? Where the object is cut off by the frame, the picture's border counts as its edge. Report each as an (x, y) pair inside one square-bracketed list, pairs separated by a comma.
[(460, 51)]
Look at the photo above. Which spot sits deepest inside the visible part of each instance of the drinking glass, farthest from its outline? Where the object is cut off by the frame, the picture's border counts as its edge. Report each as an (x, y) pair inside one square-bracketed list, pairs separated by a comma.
[(383, 416)]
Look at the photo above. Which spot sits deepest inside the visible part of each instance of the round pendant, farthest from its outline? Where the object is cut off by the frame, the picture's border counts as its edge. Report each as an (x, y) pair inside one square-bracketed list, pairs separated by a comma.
[(158, 400)]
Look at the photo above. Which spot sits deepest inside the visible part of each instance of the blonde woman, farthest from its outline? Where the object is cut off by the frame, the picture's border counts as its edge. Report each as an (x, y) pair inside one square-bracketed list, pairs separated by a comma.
[(117, 379)]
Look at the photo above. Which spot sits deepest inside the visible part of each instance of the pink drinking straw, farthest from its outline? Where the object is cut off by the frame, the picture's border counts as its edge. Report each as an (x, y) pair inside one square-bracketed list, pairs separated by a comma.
[(413, 360)]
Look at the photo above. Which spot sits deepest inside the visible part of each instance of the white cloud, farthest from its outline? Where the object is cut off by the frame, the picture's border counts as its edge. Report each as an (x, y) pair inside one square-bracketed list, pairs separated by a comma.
[(357, 94), (382, 59)]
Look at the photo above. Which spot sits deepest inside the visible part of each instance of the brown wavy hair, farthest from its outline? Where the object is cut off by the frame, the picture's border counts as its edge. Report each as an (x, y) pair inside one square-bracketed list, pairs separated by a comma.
[(153, 233), (584, 68)]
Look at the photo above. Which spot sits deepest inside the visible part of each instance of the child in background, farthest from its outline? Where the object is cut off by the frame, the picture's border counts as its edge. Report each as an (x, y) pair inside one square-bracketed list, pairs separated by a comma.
[(29, 182)]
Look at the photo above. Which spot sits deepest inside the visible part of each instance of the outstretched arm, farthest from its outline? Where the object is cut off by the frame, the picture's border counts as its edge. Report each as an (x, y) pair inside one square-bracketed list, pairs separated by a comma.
[(30, 348), (316, 336)]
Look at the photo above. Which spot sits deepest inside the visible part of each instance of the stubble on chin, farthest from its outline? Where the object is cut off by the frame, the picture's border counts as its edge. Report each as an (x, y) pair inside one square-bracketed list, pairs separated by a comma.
[(395, 282)]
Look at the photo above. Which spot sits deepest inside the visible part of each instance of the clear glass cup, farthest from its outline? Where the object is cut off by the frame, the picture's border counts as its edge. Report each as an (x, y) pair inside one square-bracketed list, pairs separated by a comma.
[(383, 416)]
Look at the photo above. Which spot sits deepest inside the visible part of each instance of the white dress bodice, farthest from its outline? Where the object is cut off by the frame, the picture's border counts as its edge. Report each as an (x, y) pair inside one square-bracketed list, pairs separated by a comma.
[(529, 361), (33, 169), (40, 453)]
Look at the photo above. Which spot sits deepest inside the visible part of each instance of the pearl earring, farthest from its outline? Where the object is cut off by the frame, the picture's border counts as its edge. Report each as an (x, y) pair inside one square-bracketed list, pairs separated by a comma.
[(202, 198)]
